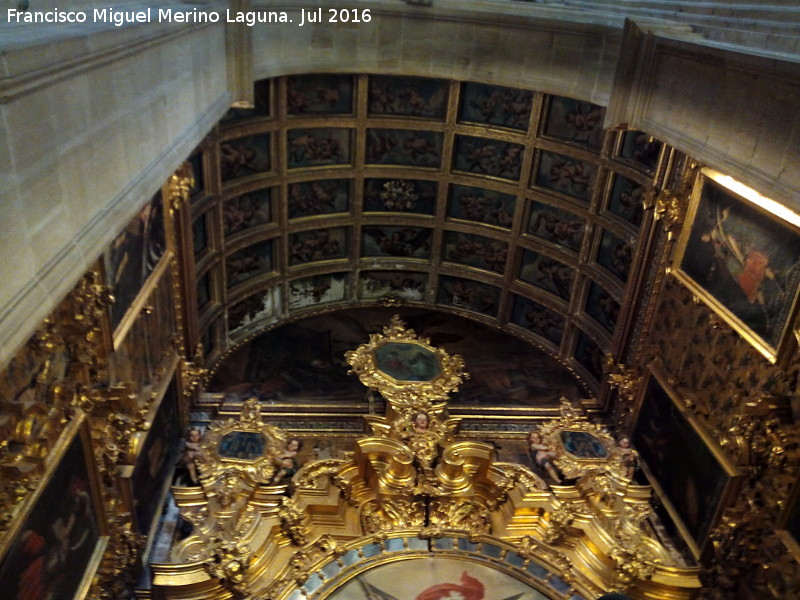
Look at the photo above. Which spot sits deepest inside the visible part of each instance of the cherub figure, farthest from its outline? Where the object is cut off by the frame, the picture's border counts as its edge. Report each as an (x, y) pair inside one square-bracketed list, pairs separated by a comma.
[(542, 455), (287, 462), (191, 452), (628, 456)]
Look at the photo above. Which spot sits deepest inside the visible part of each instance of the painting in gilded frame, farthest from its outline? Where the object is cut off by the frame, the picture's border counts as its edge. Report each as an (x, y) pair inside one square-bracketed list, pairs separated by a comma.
[(407, 361), (404, 147), (319, 95), (694, 491), (52, 552), (133, 255), (488, 157), (547, 273), (317, 244), (249, 262), (626, 199), (318, 147), (155, 460), (602, 306), (475, 250), (400, 195), (556, 225), (615, 254), (469, 294), (740, 254), (538, 319), (320, 197), (246, 211), (495, 105), (407, 96), (574, 121), (404, 242), (481, 205), (567, 175), (244, 156)]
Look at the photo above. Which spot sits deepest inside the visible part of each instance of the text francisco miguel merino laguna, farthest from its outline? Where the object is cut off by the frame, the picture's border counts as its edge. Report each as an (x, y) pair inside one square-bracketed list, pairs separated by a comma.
[(168, 15)]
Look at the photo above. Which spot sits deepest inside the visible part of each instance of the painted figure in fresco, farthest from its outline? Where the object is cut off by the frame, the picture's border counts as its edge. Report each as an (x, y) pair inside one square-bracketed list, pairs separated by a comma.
[(561, 231), (469, 589), (287, 462), (541, 455), (569, 176), (583, 123), (628, 456), (237, 158)]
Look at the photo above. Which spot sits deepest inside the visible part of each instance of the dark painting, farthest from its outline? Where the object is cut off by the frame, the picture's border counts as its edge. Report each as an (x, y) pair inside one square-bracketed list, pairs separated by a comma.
[(665, 438), (244, 156), (582, 444), (155, 461), (602, 307), (590, 356), (49, 557), (406, 285), (252, 309), (408, 242), (260, 106), (481, 205), (319, 95), (496, 105), (317, 244), (567, 175), (407, 96), (488, 157), (246, 211), (242, 445), (319, 289), (615, 255), (475, 250), (404, 147), (547, 273), (747, 262), (400, 195), (556, 225), (538, 319), (304, 361), (472, 295), (133, 255), (575, 121), (249, 262), (318, 147), (641, 149), (321, 197), (626, 200)]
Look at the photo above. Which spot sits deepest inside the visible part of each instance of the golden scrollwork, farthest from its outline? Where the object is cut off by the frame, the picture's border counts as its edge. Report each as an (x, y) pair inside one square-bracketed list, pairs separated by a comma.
[(529, 548), (294, 522), (461, 514), (392, 514), (670, 209)]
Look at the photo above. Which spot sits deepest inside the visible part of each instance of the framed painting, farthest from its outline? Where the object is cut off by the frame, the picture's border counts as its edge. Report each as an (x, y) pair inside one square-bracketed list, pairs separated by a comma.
[(403, 242), (639, 149), (615, 254), (407, 285), (556, 225), (547, 273), (155, 461), (693, 477), (249, 262), (472, 295), (59, 545), (626, 199), (590, 355), (254, 309), (739, 252), (602, 306), (319, 289)]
